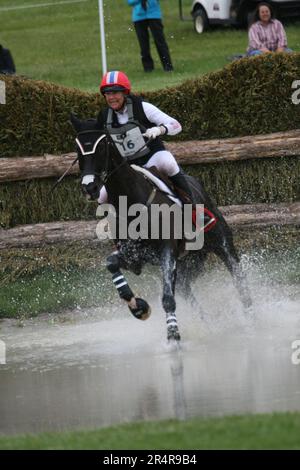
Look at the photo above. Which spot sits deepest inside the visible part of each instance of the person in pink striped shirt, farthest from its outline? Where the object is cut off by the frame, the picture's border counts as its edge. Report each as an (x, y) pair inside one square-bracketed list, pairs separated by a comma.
[(266, 34)]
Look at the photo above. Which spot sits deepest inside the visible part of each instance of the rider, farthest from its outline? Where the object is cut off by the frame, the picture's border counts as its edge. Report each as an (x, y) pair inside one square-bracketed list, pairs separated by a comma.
[(129, 119)]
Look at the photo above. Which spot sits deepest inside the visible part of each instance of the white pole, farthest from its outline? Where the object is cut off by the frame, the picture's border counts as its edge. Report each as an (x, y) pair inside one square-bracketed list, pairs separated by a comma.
[(102, 37)]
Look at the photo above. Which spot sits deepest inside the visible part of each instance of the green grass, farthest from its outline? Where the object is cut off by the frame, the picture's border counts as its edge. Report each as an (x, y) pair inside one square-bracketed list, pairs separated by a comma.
[(276, 431), (52, 291), (62, 43)]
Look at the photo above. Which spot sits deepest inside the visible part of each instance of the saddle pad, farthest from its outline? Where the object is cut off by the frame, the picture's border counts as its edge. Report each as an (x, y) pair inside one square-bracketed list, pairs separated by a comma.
[(158, 183)]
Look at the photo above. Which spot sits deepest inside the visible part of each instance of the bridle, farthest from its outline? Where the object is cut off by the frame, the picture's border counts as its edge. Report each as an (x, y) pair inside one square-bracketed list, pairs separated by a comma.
[(108, 142)]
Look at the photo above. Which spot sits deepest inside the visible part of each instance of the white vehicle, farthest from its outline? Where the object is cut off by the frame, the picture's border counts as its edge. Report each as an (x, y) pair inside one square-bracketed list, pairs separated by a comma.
[(239, 12)]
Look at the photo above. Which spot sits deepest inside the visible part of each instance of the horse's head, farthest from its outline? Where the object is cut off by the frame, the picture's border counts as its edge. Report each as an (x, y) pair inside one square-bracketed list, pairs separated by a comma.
[(94, 162)]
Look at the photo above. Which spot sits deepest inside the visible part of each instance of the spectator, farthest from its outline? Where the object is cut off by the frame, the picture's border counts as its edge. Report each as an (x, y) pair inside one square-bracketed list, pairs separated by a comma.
[(146, 14), (7, 65), (266, 33)]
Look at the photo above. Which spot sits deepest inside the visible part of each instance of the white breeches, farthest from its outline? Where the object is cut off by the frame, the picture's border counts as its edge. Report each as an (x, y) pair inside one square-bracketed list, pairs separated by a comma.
[(163, 160)]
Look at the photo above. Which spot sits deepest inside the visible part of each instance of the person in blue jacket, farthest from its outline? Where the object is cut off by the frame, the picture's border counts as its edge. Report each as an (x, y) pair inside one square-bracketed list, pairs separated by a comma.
[(146, 14)]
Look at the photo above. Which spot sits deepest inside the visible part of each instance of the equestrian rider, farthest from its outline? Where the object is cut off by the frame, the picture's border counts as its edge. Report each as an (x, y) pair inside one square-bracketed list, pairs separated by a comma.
[(129, 119)]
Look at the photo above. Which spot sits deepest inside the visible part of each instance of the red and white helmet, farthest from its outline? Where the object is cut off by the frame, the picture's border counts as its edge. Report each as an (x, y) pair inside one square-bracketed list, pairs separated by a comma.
[(115, 81)]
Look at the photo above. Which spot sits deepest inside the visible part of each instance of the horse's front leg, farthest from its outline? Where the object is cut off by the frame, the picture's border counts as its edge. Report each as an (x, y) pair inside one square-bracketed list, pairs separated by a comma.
[(168, 267), (137, 306)]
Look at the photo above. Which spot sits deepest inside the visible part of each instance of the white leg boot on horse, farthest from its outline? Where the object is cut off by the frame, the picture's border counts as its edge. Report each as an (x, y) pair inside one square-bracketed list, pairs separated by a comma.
[(168, 267), (139, 308)]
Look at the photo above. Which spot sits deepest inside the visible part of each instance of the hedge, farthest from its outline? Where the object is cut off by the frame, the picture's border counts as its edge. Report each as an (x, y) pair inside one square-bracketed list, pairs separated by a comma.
[(250, 96)]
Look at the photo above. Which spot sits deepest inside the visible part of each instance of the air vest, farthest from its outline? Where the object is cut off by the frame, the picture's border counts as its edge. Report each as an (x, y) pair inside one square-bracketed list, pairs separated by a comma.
[(128, 137)]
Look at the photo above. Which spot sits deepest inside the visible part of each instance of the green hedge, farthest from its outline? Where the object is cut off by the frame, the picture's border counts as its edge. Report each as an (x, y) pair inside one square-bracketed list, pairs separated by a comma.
[(247, 97), (35, 119), (250, 96)]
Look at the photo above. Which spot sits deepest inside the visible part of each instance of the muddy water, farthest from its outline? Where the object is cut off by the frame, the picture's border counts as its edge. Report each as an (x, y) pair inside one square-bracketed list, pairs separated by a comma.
[(101, 367)]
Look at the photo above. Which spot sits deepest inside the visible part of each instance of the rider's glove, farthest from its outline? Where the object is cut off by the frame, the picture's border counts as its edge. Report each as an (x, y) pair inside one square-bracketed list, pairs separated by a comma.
[(154, 132)]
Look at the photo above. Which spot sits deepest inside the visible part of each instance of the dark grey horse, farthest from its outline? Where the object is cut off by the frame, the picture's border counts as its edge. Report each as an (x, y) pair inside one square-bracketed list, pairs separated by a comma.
[(120, 179)]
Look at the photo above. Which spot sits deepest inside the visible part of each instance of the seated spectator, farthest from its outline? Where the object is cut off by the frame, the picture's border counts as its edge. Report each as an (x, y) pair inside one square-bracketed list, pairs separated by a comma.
[(7, 65), (266, 33)]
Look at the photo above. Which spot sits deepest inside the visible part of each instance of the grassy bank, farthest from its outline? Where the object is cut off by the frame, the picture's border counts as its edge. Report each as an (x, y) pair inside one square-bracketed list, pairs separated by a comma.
[(61, 43), (276, 431)]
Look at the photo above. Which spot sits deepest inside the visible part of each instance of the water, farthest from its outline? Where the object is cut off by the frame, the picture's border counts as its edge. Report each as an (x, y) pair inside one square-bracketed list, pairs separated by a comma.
[(94, 368)]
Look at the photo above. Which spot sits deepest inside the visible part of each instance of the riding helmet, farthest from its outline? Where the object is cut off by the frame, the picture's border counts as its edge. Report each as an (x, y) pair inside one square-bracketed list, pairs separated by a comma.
[(115, 81)]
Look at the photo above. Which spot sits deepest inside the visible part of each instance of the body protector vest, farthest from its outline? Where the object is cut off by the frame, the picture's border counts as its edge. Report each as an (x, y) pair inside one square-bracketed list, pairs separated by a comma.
[(128, 137)]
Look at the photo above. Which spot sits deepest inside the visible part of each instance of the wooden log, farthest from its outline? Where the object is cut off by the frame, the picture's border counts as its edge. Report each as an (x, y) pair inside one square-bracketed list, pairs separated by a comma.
[(48, 233), (24, 168), (280, 144), (249, 216), (238, 217)]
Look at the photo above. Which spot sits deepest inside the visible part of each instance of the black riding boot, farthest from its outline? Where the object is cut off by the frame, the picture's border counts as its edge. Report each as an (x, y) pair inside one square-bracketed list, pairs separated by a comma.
[(180, 182)]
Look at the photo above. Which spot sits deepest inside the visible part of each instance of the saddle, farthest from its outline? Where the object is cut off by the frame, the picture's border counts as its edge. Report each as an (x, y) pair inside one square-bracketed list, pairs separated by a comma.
[(183, 197), (164, 184), (175, 193)]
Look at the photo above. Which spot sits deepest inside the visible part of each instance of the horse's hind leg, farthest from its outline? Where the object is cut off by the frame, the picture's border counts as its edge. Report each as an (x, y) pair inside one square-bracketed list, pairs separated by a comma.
[(168, 266), (138, 307), (229, 256)]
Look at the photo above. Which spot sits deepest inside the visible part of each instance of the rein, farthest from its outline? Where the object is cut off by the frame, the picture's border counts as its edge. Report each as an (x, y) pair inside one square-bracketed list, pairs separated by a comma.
[(63, 175), (126, 160)]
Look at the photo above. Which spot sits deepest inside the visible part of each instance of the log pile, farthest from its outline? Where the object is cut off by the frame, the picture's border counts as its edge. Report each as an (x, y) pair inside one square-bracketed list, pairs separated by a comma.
[(238, 217), (280, 144)]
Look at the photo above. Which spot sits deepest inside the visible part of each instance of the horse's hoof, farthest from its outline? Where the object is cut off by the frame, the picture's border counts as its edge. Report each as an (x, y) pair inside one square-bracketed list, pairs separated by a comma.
[(142, 311), (173, 334)]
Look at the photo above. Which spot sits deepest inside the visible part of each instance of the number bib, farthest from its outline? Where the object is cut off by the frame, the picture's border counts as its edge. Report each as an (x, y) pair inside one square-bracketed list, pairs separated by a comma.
[(128, 140)]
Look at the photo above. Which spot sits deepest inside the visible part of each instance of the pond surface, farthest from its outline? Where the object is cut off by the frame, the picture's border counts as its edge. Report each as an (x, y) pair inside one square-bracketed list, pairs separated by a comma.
[(95, 368)]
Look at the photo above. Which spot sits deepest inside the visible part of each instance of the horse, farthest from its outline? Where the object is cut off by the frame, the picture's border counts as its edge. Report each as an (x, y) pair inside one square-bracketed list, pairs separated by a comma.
[(99, 156)]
